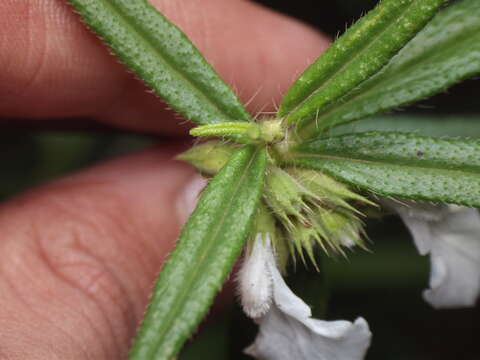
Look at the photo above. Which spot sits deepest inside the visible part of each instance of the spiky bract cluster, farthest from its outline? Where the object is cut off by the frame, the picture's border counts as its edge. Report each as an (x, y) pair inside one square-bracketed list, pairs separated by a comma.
[(301, 209), (313, 209)]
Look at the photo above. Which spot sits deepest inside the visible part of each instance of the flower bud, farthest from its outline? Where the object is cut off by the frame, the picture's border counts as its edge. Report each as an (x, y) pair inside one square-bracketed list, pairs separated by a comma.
[(208, 157)]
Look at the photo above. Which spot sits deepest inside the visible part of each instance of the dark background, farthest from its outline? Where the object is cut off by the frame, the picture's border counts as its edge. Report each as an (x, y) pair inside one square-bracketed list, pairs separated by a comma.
[(383, 285)]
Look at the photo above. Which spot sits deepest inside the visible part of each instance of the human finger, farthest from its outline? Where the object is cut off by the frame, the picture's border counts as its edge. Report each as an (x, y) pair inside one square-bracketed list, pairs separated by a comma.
[(52, 67), (78, 256)]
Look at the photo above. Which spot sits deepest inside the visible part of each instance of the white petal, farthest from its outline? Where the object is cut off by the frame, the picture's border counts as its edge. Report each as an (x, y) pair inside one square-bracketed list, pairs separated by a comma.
[(255, 278), (451, 235), (347, 241), (288, 332)]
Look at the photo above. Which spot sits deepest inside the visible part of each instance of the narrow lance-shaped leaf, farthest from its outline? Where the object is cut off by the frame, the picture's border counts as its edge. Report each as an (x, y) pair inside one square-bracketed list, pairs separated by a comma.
[(445, 52), (358, 54), (400, 164), (206, 251), (163, 57), (436, 125)]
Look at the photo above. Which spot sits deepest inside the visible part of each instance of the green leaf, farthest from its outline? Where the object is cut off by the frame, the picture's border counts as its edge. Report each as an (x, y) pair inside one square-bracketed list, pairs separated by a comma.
[(163, 57), (361, 52), (247, 133), (444, 53), (208, 246), (400, 164), (437, 125)]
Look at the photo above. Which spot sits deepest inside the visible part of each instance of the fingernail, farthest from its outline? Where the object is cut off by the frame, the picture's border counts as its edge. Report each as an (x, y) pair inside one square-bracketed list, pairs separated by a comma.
[(188, 197)]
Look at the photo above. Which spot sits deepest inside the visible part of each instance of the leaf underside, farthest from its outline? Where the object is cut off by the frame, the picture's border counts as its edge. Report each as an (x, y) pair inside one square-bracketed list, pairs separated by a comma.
[(163, 57), (445, 52), (208, 246), (400, 164)]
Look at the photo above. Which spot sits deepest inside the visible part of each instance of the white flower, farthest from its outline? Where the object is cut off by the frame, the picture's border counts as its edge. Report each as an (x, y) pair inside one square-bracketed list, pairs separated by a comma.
[(451, 235), (287, 330)]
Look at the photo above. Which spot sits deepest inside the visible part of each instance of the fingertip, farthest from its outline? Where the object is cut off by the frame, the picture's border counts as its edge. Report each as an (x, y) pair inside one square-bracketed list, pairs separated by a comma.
[(80, 255), (61, 70), (187, 198)]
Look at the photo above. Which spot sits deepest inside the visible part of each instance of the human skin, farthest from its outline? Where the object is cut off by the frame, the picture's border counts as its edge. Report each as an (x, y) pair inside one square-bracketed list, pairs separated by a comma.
[(78, 256)]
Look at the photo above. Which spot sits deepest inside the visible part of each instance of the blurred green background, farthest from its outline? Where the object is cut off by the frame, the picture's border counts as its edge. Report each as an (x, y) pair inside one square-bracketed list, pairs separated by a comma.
[(383, 285)]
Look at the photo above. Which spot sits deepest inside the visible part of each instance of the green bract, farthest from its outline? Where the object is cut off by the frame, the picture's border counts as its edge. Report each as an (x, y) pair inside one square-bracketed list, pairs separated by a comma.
[(209, 157), (313, 209)]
